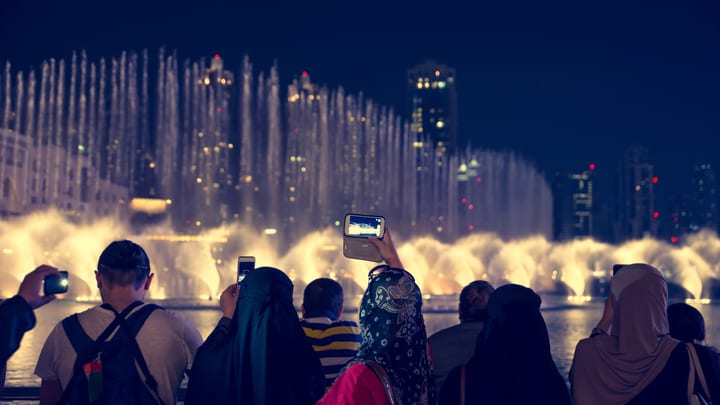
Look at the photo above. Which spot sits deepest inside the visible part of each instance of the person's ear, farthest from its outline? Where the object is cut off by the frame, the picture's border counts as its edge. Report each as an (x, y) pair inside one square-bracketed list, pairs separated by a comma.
[(302, 310), (149, 281), (340, 312), (98, 280)]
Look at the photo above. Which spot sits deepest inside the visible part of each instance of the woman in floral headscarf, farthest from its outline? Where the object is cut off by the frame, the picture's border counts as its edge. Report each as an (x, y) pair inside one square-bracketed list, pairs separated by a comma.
[(392, 365)]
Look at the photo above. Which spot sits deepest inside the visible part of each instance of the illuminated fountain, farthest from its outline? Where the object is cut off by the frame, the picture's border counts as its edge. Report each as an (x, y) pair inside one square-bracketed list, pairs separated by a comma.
[(235, 157), (195, 268)]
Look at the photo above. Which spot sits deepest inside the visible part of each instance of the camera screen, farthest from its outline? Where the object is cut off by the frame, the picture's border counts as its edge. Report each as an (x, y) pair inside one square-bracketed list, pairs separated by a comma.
[(245, 265), (359, 225)]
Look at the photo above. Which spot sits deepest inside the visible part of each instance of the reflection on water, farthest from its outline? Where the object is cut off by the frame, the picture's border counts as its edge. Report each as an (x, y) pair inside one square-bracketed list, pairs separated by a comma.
[(566, 325)]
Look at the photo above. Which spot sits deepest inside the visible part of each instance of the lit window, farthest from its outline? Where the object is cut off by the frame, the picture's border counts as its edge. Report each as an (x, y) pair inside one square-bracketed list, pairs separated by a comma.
[(437, 73), (427, 85), (440, 124), (419, 85), (441, 84)]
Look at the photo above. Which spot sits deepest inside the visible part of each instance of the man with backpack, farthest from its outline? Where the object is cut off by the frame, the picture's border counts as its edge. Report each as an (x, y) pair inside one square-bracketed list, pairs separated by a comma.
[(123, 351)]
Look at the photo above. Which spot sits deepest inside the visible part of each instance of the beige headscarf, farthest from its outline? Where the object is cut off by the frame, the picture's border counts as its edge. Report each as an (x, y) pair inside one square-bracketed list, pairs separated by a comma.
[(615, 368)]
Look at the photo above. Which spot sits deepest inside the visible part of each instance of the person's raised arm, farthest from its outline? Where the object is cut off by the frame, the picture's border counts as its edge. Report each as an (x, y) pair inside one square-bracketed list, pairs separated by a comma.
[(387, 250)]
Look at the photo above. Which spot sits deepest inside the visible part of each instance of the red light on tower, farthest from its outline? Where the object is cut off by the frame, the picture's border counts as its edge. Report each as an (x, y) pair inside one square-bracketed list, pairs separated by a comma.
[(304, 73), (592, 166), (217, 56), (470, 228), (656, 215), (674, 239), (471, 207), (478, 179), (655, 179), (463, 201)]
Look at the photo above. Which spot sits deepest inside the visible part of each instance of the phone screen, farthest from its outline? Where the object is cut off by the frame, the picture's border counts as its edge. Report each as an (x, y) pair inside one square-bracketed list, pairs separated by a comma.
[(245, 265), (364, 225), (56, 285)]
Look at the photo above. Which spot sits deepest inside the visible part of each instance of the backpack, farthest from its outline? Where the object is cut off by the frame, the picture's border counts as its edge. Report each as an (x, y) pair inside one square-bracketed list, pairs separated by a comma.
[(105, 370)]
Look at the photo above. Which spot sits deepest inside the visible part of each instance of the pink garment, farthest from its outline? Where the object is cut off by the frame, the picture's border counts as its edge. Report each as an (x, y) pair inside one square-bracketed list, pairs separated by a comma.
[(358, 385)]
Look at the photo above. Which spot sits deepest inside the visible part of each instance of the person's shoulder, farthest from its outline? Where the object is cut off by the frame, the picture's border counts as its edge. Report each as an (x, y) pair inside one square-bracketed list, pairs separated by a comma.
[(450, 330), (341, 323)]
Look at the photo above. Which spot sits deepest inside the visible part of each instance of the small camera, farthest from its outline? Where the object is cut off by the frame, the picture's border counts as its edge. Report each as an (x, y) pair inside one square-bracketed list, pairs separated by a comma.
[(53, 284)]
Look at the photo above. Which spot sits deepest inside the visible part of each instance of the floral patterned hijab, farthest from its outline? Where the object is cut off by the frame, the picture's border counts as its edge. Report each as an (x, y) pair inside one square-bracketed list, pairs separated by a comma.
[(393, 334)]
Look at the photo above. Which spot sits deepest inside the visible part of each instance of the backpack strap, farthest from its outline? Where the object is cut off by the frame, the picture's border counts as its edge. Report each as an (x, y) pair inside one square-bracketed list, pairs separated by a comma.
[(86, 348), (131, 326)]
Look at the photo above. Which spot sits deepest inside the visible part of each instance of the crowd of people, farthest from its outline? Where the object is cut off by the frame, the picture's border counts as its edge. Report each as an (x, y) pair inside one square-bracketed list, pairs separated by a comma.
[(261, 352)]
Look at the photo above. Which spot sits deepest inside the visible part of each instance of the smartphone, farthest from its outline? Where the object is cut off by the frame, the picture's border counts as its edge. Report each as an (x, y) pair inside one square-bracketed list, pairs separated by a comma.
[(363, 226), (53, 284), (244, 266)]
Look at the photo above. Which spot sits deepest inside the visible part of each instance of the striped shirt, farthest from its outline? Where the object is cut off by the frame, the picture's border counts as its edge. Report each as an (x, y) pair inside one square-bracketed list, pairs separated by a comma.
[(335, 343)]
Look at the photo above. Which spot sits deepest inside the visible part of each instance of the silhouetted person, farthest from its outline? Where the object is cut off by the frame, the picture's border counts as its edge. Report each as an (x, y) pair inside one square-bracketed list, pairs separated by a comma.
[(393, 361), (258, 353), (335, 341), (512, 363), (630, 357), (455, 345), (688, 326), (17, 316), (167, 341)]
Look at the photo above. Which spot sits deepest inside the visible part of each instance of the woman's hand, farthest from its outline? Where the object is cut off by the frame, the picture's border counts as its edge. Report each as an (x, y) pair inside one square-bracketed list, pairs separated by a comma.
[(386, 247), (228, 300)]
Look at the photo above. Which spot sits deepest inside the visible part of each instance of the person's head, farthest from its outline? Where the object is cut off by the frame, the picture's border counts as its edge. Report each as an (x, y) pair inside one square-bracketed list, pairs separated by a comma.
[(686, 323), (638, 293), (122, 264), (323, 297), (474, 300), (393, 332)]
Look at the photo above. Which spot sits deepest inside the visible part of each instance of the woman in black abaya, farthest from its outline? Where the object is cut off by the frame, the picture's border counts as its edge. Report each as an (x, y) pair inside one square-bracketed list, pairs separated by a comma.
[(261, 355), (512, 363)]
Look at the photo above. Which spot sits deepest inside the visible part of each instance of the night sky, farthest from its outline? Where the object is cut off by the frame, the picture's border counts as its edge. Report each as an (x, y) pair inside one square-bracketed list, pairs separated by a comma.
[(562, 83)]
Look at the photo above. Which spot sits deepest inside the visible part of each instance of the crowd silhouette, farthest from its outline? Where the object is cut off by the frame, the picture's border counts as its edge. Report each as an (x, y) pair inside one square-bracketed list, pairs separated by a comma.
[(642, 351)]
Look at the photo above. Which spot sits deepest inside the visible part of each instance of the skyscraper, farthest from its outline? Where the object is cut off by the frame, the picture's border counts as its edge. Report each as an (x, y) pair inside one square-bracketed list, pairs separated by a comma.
[(432, 104), (636, 216)]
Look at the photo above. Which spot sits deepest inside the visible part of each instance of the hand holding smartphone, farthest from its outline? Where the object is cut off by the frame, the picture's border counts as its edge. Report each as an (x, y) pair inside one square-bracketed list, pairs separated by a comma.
[(356, 231), (244, 266)]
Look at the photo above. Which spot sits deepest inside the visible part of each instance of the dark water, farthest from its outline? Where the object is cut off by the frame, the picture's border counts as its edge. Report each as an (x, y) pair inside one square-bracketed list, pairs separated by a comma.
[(567, 323)]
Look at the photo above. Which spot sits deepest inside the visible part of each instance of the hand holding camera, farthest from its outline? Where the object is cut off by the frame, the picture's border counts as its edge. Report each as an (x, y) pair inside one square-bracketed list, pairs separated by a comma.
[(43, 275)]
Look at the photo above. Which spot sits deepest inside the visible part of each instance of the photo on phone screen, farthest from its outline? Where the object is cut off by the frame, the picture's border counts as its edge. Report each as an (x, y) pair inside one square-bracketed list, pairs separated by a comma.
[(363, 226), (56, 285), (245, 265)]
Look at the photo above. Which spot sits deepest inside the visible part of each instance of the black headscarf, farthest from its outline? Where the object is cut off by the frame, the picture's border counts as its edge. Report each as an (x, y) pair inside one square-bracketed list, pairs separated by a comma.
[(512, 363), (264, 358), (393, 335)]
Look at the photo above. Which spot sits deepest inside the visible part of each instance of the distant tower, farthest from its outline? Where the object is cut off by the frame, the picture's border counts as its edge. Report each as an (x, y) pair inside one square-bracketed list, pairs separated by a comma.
[(637, 216), (432, 104), (697, 209)]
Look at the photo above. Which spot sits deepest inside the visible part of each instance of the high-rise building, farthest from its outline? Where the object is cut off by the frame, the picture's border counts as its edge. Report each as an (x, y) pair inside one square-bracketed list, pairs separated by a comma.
[(580, 205), (432, 104), (636, 215), (696, 209)]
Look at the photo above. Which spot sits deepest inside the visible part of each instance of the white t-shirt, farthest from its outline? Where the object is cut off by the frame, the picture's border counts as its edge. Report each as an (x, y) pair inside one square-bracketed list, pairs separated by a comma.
[(167, 340)]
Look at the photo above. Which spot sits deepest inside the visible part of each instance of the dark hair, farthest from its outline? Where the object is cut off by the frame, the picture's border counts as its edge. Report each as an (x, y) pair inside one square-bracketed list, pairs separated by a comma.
[(471, 307), (323, 297), (686, 322), (124, 262)]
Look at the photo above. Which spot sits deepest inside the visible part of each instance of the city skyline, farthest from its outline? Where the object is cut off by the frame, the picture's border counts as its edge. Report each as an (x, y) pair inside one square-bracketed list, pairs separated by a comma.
[(562, 84)]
